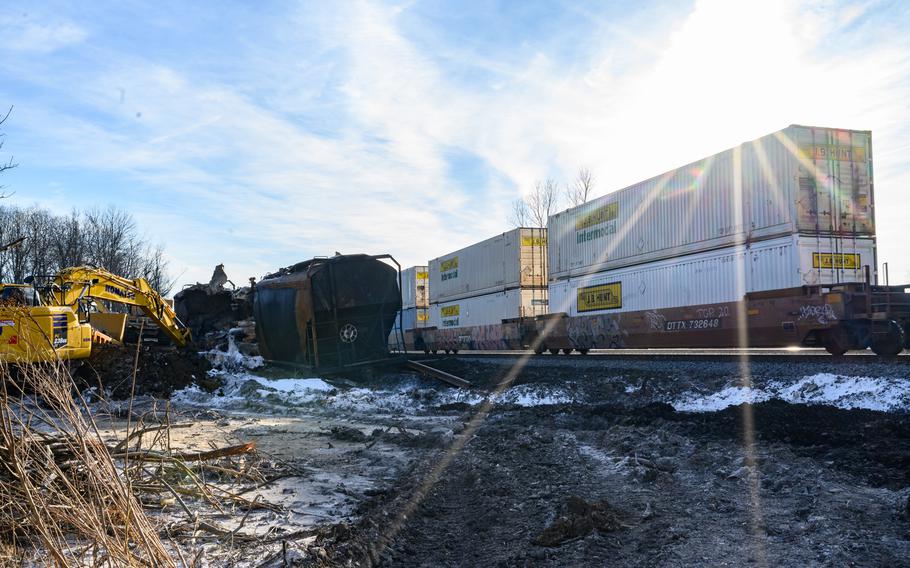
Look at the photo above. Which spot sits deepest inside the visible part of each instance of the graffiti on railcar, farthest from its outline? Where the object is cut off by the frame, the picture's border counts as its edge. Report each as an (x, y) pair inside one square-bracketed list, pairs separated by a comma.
[(822, 313), (596, 331), (482, 337)]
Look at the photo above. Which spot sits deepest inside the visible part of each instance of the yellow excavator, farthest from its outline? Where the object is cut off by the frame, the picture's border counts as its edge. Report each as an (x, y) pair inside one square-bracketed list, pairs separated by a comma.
[(64, 318)]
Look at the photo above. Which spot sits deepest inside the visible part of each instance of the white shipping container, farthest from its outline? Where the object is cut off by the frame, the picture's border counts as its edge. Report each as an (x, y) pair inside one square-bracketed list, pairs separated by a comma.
[(517, 258), (798, 180), (723, 275), (489, 308), (415, 283)]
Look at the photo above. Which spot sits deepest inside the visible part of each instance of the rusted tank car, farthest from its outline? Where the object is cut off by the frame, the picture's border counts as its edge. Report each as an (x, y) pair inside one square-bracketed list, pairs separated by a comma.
[(328, 313)]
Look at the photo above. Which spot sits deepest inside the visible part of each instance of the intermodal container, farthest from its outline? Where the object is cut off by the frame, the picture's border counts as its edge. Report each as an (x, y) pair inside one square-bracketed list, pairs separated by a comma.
[(514, 259), (415, 287), (723, 275), (489, 309), (801, 179)]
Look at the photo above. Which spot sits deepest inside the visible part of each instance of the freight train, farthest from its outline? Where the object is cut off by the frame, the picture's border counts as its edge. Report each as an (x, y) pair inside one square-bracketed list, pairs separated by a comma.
[(768, 244)]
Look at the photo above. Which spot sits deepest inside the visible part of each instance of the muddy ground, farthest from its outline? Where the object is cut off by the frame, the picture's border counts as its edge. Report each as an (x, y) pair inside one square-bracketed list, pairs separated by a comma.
[(611, 475)]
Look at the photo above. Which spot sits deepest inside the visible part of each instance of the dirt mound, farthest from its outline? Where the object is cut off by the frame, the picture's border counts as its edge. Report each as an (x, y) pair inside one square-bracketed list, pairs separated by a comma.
[(874, 445), (160, 370), (580, 519)]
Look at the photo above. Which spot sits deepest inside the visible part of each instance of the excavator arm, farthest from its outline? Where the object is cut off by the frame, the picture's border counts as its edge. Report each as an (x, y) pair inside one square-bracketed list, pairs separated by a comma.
[(72, 285)]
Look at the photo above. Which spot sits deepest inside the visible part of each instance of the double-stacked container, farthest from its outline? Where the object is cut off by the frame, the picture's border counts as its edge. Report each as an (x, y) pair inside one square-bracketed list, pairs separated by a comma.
[(501, 278), (792, 208), (415, 298)]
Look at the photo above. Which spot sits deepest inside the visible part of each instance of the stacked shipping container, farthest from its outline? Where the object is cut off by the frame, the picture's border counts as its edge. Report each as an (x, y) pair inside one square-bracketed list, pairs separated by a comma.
[(504, 277), (789, 209), (415, 299)]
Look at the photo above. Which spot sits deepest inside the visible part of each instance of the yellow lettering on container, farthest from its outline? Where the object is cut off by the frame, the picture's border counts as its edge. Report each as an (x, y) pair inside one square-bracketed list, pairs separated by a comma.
[(597, 216), (840, 153), (533, 241), (450, 264), (600, 297), (450, 311), (827, 260)]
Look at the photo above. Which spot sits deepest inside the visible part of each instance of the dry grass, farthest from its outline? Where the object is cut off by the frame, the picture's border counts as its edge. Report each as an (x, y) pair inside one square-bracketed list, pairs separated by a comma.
[(59, 483), (68, 498)]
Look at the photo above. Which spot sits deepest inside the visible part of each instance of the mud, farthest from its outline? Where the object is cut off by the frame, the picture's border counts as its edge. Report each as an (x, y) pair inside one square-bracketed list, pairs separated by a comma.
[(159, 371), (617, 477)]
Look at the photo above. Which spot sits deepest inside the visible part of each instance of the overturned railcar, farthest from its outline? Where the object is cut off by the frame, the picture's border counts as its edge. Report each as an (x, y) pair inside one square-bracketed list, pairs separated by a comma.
[(328, 313)]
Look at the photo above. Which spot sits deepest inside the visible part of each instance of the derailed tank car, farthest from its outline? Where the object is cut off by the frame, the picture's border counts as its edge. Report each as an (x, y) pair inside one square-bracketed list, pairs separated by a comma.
[(328, 313)]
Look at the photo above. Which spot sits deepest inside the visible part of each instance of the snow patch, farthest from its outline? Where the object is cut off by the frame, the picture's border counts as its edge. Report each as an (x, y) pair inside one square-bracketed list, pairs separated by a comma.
[(872, 393), (533, 395), (730, 396), (232, 359), (244, 391), (886, 394)]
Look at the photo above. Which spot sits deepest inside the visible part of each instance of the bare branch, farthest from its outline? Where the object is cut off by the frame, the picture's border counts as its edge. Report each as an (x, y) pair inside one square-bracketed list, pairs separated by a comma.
[(581, 188), (519, 215), (543, 201), (5, 164)]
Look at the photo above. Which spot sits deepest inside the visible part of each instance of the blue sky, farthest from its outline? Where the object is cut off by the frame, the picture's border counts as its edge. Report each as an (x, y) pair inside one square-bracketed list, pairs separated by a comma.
[(259, 134)]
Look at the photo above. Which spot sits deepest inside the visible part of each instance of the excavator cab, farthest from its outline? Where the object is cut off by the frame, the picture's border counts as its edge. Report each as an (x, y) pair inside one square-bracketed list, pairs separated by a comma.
[(31, 332)]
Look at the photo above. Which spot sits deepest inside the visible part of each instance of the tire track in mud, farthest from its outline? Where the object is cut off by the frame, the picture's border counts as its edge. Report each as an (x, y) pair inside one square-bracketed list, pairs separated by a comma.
[(833, 484)]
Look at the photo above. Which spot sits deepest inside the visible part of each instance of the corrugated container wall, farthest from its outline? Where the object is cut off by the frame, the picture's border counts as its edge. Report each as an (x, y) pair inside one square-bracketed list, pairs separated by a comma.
[(489, 309), (415, 287), (517, 258), (412, 318), (798, 180), (723, 275)]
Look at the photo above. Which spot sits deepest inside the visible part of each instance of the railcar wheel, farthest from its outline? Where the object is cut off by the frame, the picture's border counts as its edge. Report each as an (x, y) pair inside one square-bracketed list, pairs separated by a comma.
[(539, 350), (447, 351), (454, 351), (836, 342), (435, 351), (553, 351), (889, 343), (583, 351), (567, 351)]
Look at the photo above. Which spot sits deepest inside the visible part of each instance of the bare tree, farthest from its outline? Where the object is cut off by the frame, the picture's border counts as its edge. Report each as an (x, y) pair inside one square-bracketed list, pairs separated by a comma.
[(579, 191), (106, 238), (535, 209), (5, 165), (543, 201), (519, 215), (155, 270)]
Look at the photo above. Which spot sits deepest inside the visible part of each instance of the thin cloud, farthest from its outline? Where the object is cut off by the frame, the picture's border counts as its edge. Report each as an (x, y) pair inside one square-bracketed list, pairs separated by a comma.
[(339, 134)]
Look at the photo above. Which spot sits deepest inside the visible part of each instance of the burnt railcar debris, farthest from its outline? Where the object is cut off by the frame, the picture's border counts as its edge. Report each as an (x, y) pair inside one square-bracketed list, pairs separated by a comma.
[(328, 313)]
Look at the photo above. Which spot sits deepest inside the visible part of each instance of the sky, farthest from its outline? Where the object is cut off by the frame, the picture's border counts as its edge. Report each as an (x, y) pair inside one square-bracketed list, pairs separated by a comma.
[(259, 134)]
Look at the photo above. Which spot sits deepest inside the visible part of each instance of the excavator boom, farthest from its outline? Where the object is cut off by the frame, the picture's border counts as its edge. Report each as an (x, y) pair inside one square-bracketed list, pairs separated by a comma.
[(72, 285)]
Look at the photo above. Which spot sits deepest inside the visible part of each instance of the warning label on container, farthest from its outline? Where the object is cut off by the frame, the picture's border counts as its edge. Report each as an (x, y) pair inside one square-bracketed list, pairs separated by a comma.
[(423, 275), (422, 315), (449, 268), (600, 297), (836, 260), (840, 153), (533, 241)]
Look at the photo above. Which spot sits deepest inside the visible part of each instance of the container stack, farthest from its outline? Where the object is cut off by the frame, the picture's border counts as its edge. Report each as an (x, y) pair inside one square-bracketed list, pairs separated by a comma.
[(415, 299), (789, 209), (501, 278)]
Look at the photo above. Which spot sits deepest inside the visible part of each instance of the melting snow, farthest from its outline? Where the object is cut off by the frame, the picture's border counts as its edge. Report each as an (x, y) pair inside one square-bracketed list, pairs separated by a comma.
[(246, 391), (232, 359), (871, 393)]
